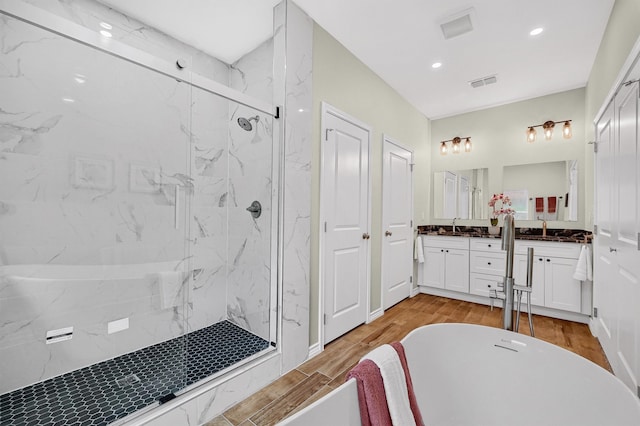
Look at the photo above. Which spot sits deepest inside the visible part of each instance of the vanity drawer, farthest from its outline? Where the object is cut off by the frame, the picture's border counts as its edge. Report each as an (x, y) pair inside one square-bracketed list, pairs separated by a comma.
[(548, 248), (481, 284), (487, 263), (446, 242), (486, 244)]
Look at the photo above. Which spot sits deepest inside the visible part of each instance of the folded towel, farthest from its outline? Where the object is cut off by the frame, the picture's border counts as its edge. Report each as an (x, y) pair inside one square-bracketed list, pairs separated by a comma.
[(539, 205), (552, 204), (413, 403), (371, 396), (418, 250), (395, 384), (584, 270)]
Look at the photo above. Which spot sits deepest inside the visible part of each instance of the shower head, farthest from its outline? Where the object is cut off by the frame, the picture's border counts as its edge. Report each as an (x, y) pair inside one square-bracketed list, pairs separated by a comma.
[(245, 123)]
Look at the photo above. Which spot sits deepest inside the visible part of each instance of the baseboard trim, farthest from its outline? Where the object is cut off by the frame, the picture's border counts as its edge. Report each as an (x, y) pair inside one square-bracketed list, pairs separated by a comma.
[(415, 291), (314, 350), (375, 315)]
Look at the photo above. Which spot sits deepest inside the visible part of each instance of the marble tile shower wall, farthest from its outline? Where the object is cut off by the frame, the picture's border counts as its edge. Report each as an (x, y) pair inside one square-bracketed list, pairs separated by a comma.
[(57, 157), (250, 159)]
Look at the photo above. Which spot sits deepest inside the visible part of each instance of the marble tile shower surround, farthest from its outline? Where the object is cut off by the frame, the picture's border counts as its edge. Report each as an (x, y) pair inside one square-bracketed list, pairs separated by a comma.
[(76, 204)]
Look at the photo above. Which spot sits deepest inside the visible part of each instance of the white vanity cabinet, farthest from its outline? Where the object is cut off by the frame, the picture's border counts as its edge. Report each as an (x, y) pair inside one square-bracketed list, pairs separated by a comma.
[(487, 264), (553, 283), (446, 263), (468, 269)]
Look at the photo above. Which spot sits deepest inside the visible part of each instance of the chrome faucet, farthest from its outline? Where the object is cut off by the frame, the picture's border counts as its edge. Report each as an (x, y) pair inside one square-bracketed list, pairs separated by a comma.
[(508, 244), (454, 224)]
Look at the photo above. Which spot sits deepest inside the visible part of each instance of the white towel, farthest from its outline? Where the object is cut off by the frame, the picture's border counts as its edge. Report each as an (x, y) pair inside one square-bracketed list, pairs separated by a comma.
[(169, 287), (418, 251), (395, 384), (584, 270)]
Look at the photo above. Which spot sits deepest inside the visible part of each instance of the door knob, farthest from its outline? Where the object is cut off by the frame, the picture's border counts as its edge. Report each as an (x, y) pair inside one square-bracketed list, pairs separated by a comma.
[(366, 236), (388, 233), (611, 249)]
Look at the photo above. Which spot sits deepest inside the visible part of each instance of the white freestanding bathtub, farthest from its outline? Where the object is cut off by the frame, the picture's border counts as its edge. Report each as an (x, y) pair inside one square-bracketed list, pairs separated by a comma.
[(467, 374)]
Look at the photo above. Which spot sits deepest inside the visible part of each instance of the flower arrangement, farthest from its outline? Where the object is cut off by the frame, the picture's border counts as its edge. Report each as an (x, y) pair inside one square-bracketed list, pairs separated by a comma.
[(499, 204)]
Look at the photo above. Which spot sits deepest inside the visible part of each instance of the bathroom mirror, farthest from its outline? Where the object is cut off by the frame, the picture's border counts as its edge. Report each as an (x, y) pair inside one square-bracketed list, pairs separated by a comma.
[(461, 194), (543, 191)]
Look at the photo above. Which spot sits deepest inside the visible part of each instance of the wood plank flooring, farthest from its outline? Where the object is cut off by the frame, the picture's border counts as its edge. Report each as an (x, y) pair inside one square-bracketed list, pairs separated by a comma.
[(323, 373)]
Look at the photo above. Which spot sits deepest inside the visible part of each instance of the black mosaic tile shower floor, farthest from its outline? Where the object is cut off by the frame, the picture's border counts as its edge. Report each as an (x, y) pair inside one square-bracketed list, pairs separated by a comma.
[(110, 390)]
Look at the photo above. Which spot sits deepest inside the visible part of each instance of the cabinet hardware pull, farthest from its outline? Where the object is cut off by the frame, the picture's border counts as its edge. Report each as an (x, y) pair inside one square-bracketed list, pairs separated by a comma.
[(488, 263)]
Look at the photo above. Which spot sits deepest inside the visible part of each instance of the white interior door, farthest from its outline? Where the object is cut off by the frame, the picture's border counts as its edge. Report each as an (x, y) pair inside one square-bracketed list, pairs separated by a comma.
[(397, 224), (345, 211), (604, 283)]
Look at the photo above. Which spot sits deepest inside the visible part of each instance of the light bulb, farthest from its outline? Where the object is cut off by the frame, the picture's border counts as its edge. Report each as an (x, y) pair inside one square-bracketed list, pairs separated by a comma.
[(467, 145), (548, 129), (455, 145), (566, 130), (443, 148), (531, 135)]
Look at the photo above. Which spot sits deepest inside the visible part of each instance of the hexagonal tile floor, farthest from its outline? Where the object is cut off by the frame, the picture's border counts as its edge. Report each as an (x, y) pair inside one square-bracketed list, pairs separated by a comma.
[(110, 390)]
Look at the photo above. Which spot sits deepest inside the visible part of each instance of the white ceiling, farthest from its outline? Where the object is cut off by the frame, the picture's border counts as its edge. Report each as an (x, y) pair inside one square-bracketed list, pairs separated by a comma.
[(400, 39)]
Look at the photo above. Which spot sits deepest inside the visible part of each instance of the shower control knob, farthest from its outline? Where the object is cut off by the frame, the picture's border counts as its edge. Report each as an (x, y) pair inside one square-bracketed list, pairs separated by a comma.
[(388, 233)]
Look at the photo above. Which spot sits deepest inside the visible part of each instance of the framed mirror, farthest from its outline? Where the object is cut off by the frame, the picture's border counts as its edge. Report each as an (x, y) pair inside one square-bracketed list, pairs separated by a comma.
[(543, 191), (461, 194)]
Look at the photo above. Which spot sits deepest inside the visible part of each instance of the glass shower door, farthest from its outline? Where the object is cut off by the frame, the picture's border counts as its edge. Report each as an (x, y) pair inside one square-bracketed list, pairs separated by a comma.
[(94, 199)]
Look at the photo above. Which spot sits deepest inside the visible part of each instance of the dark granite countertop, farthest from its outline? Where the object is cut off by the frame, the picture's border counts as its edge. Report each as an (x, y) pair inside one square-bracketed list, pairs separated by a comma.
[(560, 235)]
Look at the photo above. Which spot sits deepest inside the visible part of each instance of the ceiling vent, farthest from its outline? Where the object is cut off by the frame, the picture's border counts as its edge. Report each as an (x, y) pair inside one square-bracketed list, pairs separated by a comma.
[(484, 81), (457, 24)]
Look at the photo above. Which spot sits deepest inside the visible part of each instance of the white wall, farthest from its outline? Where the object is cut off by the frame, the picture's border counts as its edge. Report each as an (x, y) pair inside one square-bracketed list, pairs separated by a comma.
[(343, 81)]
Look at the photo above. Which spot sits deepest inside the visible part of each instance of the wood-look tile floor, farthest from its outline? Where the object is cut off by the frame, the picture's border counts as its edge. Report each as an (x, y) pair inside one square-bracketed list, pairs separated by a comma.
[(323, 373)]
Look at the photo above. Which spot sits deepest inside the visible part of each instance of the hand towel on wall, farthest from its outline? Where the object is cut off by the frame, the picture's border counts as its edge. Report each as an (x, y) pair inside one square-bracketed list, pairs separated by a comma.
[(418, 250), (584, 268), (169, 288), (552, 208)]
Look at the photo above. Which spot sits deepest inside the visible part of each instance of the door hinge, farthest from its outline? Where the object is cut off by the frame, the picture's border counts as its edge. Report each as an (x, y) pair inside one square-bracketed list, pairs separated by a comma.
[(411, 165), (638, 391), (324, 319), (638, 245), (277, 116), (595, 312), (411, 279), (595, 147), (412, 225), (326, 134), (325, 227), (595, 229)]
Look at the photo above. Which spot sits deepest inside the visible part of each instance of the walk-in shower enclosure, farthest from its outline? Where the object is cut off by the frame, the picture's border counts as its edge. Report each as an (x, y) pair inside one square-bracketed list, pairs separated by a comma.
[(135, 263)]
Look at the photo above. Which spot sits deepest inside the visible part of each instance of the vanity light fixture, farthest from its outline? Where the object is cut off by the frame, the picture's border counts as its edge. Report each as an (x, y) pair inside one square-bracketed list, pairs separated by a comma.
[(456, 145), (547, 128)]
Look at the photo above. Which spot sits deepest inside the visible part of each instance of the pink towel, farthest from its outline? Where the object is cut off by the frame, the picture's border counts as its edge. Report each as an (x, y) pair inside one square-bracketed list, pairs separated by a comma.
[(371, 397), (412, 396), (374, 410)]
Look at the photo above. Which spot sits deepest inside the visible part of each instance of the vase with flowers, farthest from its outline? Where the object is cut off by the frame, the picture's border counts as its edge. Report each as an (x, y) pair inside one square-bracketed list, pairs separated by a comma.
[(499, 204)]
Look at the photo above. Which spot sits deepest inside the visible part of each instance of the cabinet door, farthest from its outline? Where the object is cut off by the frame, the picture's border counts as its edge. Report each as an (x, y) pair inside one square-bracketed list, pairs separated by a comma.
[(520, 276), (433, 267), (562, 291), (457, 270)]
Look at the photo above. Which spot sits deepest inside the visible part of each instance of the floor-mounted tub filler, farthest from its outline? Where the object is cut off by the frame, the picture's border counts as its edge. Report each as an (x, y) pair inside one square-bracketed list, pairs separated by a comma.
[(467, 374)]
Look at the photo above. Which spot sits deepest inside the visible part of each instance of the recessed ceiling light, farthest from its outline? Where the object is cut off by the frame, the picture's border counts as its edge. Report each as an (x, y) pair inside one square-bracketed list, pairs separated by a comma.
[(436, 65), (106, 26), (536, 31), (106, 33)]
